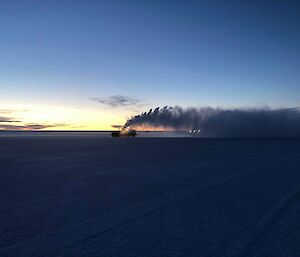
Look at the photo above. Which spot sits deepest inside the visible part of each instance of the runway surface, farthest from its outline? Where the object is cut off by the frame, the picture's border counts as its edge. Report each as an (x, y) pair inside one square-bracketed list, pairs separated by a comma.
[(91, 196)]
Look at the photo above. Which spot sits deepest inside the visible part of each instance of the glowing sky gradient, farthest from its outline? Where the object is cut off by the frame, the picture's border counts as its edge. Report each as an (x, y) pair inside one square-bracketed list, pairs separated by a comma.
[(62, 61)]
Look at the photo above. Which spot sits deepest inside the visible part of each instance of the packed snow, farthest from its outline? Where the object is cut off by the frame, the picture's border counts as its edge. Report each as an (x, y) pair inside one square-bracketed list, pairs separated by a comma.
[(86, 196)]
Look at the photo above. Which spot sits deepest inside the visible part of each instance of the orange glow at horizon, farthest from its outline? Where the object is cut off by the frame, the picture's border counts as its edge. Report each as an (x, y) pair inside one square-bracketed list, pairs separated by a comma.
[(48, 117), (152, 128)]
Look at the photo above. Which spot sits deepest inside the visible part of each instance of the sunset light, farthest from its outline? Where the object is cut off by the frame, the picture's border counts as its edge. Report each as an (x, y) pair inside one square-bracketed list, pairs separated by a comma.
[(149, 128)]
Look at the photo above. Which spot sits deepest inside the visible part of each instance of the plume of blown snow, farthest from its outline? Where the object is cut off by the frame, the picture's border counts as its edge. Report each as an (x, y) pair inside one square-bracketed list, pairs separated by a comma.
[(218, 122)]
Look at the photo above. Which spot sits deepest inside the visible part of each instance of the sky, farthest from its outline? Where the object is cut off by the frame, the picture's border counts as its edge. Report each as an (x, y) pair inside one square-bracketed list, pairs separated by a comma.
[(86, 65)]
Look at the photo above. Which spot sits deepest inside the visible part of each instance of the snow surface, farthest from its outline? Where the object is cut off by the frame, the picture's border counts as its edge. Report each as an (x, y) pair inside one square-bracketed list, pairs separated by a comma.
[(96, 196)]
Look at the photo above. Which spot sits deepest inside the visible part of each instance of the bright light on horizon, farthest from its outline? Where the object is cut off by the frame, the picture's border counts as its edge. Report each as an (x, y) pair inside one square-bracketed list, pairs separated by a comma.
[(57, 117)]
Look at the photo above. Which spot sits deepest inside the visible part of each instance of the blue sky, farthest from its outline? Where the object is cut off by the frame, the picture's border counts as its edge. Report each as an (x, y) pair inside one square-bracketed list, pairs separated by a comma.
[(57, 55)]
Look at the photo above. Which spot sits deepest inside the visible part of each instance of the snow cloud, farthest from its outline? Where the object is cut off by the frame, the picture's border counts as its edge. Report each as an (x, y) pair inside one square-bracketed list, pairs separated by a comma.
[(217, 122)]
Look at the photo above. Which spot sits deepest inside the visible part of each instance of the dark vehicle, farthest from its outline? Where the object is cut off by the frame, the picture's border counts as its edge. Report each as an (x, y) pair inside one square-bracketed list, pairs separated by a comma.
[(124, 133), (115, 134)]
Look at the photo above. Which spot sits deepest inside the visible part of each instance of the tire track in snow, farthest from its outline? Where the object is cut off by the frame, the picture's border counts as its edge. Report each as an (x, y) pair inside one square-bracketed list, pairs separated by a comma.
[(88, 229), (243, 245)]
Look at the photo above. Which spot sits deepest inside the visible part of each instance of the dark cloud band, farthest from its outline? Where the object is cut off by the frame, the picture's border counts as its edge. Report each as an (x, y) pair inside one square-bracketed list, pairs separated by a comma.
[(30, 126), (7, 119), (8, 122), (119, 101)]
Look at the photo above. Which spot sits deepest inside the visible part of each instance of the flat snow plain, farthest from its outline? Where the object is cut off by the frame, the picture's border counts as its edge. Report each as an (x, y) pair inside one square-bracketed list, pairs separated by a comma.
[(95, 196)]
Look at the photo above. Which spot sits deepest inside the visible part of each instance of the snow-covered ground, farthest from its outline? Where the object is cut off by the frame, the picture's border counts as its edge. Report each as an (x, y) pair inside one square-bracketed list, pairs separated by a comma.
[(97, 196)]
